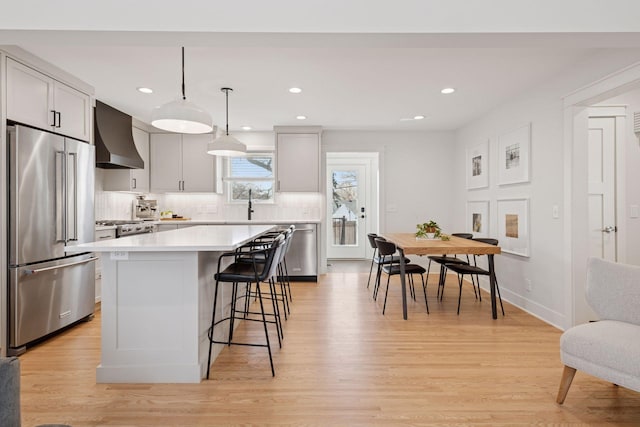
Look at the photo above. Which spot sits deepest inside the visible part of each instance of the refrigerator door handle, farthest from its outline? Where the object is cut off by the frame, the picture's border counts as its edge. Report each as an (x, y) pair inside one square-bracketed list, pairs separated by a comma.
[(60, 185), (72, 197), (55, 267)]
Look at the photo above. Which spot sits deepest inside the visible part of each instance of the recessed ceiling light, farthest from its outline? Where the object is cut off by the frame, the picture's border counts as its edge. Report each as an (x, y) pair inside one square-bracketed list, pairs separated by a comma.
[(295, 90), (301, 117), (145, 90), (410, 119), (447, 90), (246, 127)]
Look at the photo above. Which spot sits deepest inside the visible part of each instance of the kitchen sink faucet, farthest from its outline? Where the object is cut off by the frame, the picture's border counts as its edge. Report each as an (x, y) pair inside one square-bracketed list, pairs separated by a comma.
[(249, 209)]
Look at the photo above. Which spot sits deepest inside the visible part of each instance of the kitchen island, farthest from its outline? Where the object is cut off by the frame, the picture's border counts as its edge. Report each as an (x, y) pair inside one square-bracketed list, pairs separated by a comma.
[(157, 295)]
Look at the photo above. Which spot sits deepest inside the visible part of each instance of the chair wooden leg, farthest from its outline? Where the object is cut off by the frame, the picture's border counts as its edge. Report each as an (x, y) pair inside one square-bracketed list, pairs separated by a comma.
[(565, 383)]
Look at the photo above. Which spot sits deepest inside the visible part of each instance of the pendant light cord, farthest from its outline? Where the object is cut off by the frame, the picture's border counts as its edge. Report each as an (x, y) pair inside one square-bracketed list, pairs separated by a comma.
[(183, 95), (227, 93)]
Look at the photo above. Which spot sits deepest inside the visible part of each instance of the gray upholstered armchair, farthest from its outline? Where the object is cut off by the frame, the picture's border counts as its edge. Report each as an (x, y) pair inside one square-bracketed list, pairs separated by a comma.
[(9, 392), (609, 348)]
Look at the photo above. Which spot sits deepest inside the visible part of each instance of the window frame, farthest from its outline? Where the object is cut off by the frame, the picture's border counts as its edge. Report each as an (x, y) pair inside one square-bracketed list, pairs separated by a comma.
[(228, 180)]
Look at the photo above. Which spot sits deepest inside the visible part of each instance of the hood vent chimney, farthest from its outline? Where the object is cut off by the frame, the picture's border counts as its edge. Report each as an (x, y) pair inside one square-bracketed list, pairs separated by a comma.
[(113, 134)]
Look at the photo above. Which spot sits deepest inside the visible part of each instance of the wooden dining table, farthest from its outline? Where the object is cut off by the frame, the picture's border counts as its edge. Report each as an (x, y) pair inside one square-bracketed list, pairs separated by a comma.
[(408, 244)]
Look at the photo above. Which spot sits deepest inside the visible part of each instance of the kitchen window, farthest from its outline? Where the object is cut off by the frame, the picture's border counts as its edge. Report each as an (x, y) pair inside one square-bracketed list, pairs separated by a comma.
[(251, 172)]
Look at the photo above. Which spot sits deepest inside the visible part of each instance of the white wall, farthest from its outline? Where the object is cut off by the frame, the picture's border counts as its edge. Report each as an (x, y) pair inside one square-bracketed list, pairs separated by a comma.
[(542, 106), (415, 174)]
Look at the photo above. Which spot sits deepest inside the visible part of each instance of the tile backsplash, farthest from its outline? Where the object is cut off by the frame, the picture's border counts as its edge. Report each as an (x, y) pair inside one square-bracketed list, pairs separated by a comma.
[(113, 205), (288, 206)]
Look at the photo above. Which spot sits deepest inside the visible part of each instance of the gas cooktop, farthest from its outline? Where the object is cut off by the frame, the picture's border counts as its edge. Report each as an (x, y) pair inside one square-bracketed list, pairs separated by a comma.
[(128, 227)]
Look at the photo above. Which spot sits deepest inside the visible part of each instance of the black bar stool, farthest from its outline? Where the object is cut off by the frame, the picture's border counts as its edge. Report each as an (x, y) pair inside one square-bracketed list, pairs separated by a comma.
[(261, 269)]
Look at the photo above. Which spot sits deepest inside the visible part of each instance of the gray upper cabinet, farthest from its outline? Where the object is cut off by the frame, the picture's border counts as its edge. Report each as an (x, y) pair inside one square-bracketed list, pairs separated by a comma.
[(180, 163), (135, 180), (38, 100), (297, 160)]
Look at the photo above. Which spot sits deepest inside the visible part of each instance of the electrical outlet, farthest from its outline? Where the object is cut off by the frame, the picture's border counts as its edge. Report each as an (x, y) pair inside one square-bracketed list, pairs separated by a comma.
[(120, 255), (528, 282)]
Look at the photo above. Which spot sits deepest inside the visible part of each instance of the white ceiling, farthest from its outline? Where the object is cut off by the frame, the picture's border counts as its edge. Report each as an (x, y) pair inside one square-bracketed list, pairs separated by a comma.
[(350, 81)]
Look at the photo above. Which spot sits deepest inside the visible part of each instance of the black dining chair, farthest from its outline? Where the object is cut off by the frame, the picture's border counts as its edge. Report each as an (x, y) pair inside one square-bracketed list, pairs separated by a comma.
[(387, 250), (443, 260), (474, 270), (379, 260)]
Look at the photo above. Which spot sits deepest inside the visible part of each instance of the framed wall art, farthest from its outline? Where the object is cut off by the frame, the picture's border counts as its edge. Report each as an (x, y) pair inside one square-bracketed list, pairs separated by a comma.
[(513, 226), (478, 218), (514, 150), (477, 166)]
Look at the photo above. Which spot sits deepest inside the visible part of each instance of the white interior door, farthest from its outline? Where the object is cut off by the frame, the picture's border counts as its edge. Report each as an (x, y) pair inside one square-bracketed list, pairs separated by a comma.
[(602, 189), (351, 208), (601, 169)]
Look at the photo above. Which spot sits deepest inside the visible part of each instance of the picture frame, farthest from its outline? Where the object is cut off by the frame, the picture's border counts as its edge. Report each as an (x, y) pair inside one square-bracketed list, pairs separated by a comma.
[(477, 166), (513, 226), (478, 218), (514, 156)]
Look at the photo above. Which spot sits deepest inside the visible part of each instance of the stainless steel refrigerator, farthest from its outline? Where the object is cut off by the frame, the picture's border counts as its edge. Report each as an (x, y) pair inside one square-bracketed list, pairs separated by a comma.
[(50, 206)]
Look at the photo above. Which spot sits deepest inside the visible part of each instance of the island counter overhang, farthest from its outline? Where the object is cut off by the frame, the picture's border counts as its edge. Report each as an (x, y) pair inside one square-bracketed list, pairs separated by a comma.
[(157, 295)]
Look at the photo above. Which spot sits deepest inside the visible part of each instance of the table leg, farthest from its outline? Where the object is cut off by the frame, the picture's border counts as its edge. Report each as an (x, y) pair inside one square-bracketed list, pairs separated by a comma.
[(492, 281), (403, 284)]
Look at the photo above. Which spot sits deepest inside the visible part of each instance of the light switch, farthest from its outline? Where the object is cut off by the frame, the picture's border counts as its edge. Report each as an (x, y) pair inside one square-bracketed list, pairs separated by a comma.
[(633, 211), (555, 211)]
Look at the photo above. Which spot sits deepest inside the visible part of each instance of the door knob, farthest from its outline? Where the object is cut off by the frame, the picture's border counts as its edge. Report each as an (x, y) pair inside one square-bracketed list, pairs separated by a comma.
[(610, 229)]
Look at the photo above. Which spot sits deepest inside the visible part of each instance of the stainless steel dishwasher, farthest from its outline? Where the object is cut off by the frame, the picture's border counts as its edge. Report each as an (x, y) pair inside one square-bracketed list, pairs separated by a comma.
[(302, 258)]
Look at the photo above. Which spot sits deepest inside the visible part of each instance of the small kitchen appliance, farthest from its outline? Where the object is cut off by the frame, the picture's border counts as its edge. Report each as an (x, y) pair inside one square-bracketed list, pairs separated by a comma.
[(145, 209)]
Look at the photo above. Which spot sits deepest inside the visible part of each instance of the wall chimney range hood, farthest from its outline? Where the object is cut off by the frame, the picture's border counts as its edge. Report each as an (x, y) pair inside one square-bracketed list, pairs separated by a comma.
[(115, 148)]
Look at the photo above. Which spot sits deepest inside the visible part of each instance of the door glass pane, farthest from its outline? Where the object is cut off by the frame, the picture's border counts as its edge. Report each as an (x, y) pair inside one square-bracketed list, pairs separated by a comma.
[(345, 207)]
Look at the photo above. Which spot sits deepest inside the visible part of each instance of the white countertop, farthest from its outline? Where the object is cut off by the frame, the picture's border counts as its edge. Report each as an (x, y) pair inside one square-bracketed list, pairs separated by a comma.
[(192, 239)]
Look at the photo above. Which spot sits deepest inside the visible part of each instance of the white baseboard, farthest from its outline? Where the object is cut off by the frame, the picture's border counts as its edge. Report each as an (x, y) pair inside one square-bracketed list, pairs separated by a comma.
[(535, 309)]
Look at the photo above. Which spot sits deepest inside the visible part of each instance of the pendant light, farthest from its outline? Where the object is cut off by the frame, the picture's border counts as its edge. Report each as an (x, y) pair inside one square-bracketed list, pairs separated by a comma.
[(226, 145), (181, 115)]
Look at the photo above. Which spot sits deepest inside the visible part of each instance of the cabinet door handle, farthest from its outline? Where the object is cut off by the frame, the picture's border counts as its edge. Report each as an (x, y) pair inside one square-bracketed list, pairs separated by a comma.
[(53, 116), (278, 185), (133, 183), (59, 119)]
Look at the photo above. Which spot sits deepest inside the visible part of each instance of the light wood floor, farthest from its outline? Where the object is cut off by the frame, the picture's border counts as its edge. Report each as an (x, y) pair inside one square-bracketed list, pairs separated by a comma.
[(343, 363)]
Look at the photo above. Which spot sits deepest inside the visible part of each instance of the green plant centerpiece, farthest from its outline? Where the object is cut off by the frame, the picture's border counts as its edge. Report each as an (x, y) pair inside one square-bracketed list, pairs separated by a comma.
[(428, 230)]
